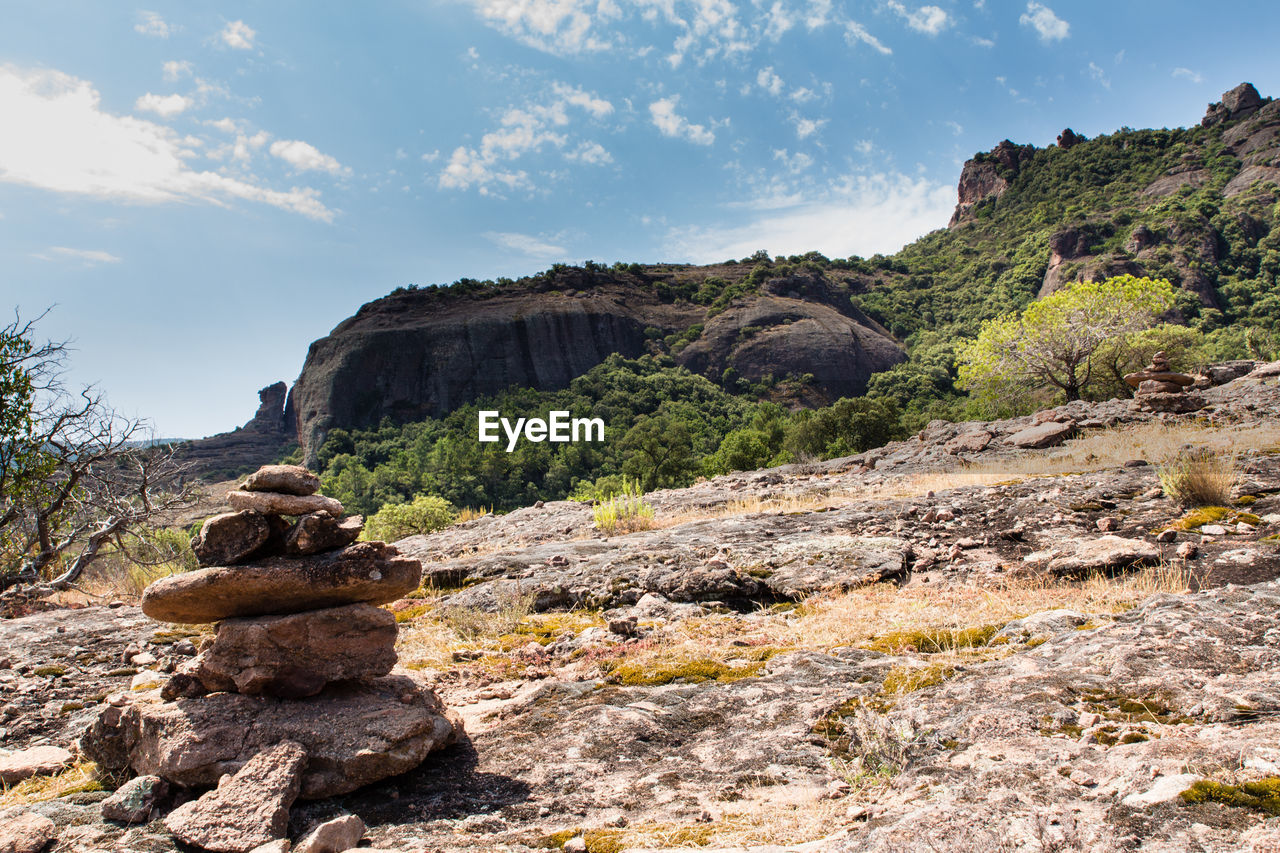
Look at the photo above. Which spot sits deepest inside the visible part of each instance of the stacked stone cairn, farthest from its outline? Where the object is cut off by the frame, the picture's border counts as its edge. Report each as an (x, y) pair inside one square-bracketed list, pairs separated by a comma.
[(301, 656), (1161, 389)]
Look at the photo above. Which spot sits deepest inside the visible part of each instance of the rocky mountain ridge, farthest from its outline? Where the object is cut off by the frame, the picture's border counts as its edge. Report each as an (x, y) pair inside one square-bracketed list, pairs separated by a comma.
[(1194, 205)]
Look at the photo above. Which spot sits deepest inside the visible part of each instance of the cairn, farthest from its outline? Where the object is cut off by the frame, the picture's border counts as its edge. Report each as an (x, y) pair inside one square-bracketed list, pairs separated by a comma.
[(301, 653), (1161, 389)]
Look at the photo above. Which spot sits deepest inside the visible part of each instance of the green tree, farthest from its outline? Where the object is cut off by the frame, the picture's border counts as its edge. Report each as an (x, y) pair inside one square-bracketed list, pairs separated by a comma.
[(658, 451), (1057, 341), (425, 514)]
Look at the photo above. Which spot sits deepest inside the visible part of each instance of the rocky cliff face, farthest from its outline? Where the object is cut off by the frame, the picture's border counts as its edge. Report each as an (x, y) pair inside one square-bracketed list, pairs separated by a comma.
[(422, 354), (261, 440)]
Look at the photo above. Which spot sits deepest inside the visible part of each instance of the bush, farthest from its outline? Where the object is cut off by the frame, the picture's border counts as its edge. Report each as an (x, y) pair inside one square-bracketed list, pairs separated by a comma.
[(624, 513), (1200, 477), (426, 514)]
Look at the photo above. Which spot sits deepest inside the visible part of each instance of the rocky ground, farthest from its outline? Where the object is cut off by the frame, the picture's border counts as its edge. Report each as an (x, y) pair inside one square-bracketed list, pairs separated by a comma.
[(960, 641)]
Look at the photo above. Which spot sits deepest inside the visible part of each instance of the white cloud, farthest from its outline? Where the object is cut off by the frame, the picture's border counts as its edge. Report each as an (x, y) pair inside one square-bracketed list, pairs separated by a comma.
[(929, 20), (862, 214), (1099, 75), (956, 127), (795, 163), (165, 106), (806, 127), (769, 81), (803, 95), (151, 24), (554, 26), (591, 153), (305, 158), (819, 14), (1042, 19), (89, 257), (666, 119), (175, 70), (984, 42), (525, 244), (238, 35), (780, 20), (1188, 74), (855, 32), (524, 130), (64, 142)]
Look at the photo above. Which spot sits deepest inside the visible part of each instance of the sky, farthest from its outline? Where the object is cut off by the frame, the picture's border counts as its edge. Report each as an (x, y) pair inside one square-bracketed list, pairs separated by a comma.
[(194, 194)]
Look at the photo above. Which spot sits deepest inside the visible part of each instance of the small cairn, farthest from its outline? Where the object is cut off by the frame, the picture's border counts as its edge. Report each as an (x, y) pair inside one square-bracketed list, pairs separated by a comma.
[(1161, 389), (301, 653)]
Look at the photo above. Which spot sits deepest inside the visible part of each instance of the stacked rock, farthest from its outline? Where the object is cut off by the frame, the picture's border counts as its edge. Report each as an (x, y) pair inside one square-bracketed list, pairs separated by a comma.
[(1161, 389), (301, 652)]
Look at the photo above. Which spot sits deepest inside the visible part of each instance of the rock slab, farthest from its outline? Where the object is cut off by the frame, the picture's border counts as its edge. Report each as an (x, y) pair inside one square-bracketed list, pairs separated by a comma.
[(228, 538), (284, 479), (246, 810), (295, 656), (277, 503), (1049, 434), (318, 532), (136, 800), (36, 761), (26, 833), (367, 572), (354, 734), (334, 836)]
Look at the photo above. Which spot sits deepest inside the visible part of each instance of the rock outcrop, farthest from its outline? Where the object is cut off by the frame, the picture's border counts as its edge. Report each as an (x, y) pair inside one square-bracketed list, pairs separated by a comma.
[(988, 175)]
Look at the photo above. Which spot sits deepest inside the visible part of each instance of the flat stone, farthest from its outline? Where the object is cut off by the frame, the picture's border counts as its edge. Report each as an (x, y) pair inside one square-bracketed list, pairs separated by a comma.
[(276, 503), (1106, 554), (26, 833), (319, 532), (367, 572), (1153, 386), (1049, 434), (968, 442), (228, 538), (354, 734), (334, 836), (135, 800), (297, 655), (1174, 403), (285, 479), (246, 810), (36, 761), (1180, 379)]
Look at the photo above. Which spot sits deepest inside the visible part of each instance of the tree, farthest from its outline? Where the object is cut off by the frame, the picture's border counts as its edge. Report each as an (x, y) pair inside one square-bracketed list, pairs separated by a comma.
[(658, 451), (76, 478), (425, 514), (1056, 342)]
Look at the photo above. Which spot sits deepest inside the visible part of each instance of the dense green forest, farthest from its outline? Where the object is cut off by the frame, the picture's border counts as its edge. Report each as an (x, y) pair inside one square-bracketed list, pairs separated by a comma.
[(667, 426)]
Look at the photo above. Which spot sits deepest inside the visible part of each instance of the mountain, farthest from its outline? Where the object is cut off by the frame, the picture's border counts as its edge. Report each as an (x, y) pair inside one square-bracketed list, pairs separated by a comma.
[(1194, 205)]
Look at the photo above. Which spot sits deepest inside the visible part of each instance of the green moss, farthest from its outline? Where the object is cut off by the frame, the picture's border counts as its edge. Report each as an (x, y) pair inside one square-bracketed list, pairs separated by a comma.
[(908, 679), (932, 641), (51, 671), (124, 670), (1126, 709), (1201, 516), (651, 674), (1037, 641), (603, 841), (1091, 506), (554, 840), (1261, 795), (173, 635), (1246, 500), (411, 613), (1134, 737)]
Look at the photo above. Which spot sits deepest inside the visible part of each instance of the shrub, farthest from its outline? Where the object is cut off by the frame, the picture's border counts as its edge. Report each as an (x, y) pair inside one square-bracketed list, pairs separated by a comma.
[(426, 514), (624, 513), (1200, 477)]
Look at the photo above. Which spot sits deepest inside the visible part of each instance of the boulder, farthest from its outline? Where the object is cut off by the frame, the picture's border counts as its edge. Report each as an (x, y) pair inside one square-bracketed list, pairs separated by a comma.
[(36, 761), (1049, 434), (354, 734), (1106, 554), (334, 836), (297, 655), (246, 810), (969, 442), (1175, 403), (276, 503), (228, 538), (26, 833), (285, 479), (368, 572), (319, 532), (136, 800)]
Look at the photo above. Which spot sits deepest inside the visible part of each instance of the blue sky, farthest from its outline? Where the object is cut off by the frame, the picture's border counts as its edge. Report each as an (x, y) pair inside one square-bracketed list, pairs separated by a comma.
[(200, 193)]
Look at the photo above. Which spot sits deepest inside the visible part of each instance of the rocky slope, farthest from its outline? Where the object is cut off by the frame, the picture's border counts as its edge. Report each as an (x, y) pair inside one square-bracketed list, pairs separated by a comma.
[(673, 694)]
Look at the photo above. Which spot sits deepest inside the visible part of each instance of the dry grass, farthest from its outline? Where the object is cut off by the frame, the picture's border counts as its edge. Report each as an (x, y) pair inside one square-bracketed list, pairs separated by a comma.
[(468, 514), (81, 776), (1203, 476)]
